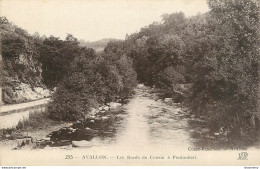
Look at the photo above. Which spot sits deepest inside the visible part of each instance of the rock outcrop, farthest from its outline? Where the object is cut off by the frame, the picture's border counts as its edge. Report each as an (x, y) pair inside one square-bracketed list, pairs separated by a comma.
[(21, 69)]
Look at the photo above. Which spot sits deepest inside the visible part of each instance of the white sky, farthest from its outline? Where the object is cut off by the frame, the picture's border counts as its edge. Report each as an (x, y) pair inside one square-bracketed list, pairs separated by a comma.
[(92, 19)]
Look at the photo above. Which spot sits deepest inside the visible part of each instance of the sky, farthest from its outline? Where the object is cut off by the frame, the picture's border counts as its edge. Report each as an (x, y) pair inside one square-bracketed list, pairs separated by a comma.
[(92, 20)]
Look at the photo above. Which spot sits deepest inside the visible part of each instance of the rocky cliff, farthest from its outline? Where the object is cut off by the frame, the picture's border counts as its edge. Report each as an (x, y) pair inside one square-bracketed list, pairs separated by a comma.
[(21, 69)]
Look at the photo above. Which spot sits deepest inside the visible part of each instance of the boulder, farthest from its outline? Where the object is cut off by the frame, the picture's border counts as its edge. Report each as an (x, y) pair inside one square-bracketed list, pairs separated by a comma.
[(185, 109), (88, 130), (192, 116), (71, 129), (93, 111), (104, 118), (65, 133), (82, 134), (98, 119), (216, 134), (114, 105), (78, 124), (82, 143), (46, 139), (106, 108), (209, 137), (92, 117), (167, 100), (176, 112), (223, 139), (102, 111), (140, 85)]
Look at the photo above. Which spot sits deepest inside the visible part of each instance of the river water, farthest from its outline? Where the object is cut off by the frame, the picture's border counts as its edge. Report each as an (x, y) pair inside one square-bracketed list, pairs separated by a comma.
[(146, 122), (152, 122)]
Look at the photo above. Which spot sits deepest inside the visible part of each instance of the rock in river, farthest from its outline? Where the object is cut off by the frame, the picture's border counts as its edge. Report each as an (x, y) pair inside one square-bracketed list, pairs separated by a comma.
[(167, 100), (114, 105), (88, 130), (93, 111), (82, 143), (106, 108), (105, 118)]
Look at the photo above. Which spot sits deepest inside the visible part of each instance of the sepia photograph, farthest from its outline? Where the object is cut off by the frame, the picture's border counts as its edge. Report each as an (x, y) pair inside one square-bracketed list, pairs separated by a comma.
[(129, 82)]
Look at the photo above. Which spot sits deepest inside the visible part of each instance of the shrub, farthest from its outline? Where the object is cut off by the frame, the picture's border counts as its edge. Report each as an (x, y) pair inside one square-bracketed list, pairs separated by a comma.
[(90, 83)]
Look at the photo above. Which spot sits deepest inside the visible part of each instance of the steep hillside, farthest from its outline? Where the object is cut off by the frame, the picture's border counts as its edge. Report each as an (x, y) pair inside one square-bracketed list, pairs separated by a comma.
[(22, 80)]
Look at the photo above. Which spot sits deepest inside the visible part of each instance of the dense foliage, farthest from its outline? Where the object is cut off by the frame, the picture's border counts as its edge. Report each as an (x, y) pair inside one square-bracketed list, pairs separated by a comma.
[(216, 52), (56, 56), (80, 78), (158, 51), (89, 81), (230, 82)]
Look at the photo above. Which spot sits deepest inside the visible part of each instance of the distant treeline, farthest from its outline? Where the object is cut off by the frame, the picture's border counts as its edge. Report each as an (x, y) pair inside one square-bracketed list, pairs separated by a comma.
[(97, 45)]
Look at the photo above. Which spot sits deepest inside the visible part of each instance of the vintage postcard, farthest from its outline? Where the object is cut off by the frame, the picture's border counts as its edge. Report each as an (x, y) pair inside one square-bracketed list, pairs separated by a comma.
[(130, 82)]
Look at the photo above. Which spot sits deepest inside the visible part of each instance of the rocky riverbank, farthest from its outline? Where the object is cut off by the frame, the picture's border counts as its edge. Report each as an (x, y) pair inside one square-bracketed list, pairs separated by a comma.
[(99, 122)]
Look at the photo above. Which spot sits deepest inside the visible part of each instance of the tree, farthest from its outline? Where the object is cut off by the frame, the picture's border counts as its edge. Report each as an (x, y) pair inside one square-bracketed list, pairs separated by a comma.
[(56, 56), (91, 81), (227, 73)]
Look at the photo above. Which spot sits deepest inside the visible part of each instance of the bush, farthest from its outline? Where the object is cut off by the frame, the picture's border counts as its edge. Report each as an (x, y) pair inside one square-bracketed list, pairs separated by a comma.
[(168, 77), (90, 83)]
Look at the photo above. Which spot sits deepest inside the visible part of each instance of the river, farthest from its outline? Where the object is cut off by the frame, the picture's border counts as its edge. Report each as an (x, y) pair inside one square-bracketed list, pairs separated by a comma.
[(148, 122), (145, 122)]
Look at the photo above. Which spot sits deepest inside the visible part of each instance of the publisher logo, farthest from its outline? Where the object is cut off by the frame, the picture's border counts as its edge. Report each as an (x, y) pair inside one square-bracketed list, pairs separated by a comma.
[(243, 156)]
